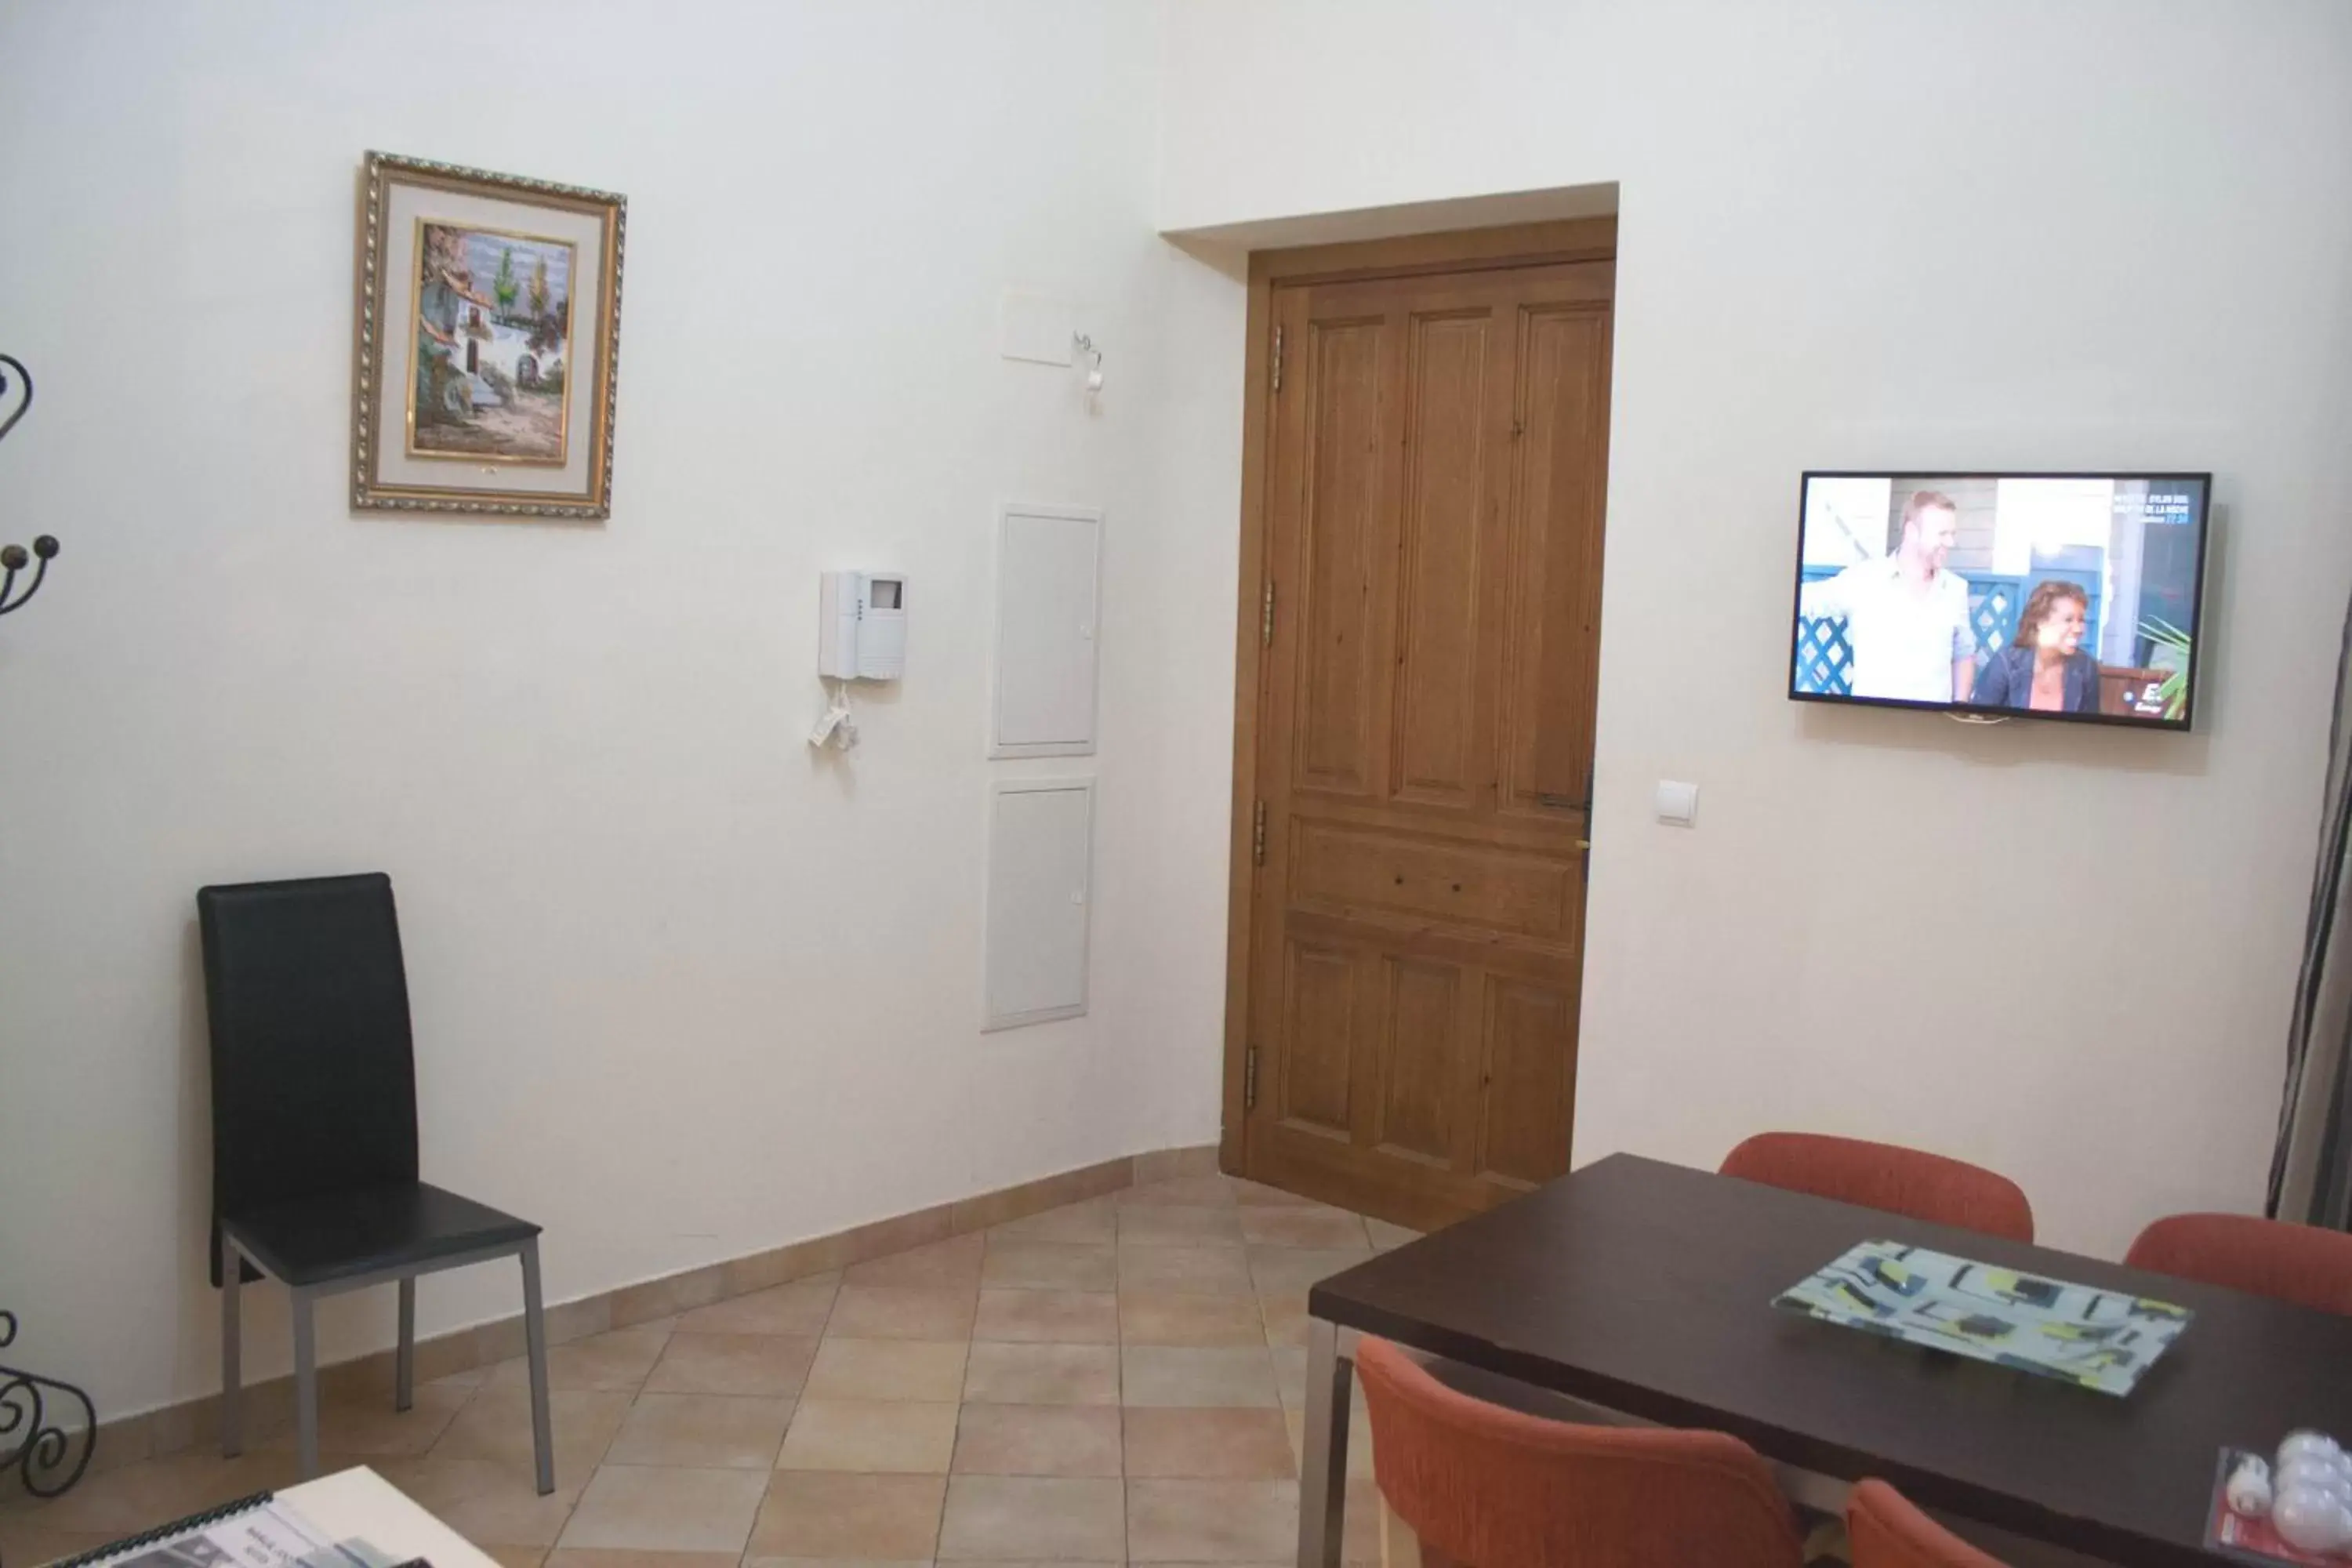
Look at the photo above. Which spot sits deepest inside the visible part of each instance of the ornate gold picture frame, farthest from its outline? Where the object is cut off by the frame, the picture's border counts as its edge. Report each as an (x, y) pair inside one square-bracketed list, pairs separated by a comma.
[(486, 343)]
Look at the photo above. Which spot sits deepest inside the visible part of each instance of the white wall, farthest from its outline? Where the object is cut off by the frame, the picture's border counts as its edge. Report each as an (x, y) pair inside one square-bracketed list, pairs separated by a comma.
[(1964, 235), (681, 990)]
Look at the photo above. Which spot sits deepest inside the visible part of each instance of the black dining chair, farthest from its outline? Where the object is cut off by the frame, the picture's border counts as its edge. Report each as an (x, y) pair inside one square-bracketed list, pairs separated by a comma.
[(314, 1133)]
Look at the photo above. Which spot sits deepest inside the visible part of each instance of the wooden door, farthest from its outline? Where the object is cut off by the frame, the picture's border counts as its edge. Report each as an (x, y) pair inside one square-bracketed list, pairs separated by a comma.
[(1436, 449)]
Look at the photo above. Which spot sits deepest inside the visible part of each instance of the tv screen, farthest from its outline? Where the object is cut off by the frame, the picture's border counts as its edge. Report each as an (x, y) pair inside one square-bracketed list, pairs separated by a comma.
[(2027, 596)]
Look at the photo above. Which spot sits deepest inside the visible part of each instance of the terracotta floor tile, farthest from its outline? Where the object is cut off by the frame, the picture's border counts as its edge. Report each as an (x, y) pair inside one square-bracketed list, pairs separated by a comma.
[(372, 1426), (1038, 1440), (496, 1425), (902, 1312), (1096, 1220), (1042, 1374), (1179, 1225), (774, 1365), (1290, 1270), (1290, 1375), (1209, 1445), (1048, 1266), (1246, 1192), (1001, 1517), (1210, 1521), (1296, 1224), (798, 1308), (1049, 1317), (27, 1539), (871, 1437), (1183, 1191), (1360, 1439), (617, 1360), (651, 1507), (887, 1369), (950, 1265), (1201, 1270), (1201, 1338), (155, 1491), (825, 1514), (1188, 1376), (488, 1501), (1180, 1317), (611, 1557), (1284, 1318), (705, 1431), (1359, 1537)]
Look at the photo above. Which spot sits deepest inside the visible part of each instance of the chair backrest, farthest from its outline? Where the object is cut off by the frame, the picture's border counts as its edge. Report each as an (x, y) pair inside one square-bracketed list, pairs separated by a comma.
[(1887, 1176), (2298, 1263), (1493, 1488), (1886, 1531), (314, 1073)]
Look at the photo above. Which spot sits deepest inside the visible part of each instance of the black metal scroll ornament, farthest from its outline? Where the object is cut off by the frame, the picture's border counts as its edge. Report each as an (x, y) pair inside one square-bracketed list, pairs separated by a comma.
[(13, 557), (34, 1442)]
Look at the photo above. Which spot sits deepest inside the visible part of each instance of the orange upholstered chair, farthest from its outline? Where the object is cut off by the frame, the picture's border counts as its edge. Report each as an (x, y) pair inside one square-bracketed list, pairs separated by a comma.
[(1484, 1486), (1886, 1531), (1887, 1176), (2298, 1263)]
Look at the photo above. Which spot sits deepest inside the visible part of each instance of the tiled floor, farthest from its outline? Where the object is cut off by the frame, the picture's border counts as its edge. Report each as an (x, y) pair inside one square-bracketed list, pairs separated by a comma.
[(1119, 1381)]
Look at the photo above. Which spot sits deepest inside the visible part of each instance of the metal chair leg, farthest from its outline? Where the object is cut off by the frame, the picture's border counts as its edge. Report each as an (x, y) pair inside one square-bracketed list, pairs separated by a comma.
[(534, 1332), (403, 1374), (306, 1383), (232, 1398)]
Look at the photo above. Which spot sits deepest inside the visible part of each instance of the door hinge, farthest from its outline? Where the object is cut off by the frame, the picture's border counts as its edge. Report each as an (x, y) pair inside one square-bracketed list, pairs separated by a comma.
[(1265, 620), (1278, 358), (1249, 1078), (1257, 837)]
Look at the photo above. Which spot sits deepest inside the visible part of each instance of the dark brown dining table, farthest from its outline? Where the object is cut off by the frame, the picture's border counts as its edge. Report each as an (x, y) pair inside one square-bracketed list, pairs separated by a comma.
[(1646, 1289)]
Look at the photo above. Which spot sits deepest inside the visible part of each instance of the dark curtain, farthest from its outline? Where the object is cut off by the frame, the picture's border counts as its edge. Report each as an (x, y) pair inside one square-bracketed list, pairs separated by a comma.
[(2310, 1168)]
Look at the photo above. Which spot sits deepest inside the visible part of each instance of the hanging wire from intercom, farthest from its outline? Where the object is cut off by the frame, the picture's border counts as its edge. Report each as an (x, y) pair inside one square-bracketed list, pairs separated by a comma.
[(837, 726)]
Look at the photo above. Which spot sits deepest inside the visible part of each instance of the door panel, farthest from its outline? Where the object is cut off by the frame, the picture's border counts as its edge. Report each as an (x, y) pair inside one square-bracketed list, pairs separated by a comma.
[(1341, 505), (1435, 463), (1320, 1023), (1465, 884), (1417, 1087), (1437, 665), (1555, 619), (1523, 1143)]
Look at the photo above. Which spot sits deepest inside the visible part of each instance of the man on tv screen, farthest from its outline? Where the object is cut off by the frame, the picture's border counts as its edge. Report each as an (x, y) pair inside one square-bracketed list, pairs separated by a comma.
[(1907, 618)]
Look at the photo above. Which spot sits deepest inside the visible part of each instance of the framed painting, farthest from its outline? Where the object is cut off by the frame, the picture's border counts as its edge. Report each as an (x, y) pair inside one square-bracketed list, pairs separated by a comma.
[(488, 343)]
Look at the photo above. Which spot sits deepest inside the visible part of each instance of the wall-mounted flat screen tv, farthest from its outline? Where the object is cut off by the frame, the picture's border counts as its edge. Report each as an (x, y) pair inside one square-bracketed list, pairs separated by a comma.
[(2025, 596)]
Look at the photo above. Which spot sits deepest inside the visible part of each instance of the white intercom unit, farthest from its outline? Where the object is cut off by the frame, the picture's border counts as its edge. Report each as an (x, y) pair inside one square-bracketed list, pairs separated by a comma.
[(862, 626)]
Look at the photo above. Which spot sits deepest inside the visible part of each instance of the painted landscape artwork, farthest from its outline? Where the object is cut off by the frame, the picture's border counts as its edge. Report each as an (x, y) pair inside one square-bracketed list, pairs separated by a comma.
[(493, 315)]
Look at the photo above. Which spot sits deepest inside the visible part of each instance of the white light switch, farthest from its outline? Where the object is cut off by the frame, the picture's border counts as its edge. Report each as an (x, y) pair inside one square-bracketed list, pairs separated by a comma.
[(1677, 803)]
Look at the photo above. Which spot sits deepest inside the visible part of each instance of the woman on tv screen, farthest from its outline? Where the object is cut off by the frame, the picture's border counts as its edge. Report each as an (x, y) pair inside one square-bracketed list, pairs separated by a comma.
[(2045, 665)]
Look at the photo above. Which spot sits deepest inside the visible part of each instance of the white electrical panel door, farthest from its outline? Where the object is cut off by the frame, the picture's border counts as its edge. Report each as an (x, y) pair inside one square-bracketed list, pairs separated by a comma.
[(1040, 893), (1047, 574)]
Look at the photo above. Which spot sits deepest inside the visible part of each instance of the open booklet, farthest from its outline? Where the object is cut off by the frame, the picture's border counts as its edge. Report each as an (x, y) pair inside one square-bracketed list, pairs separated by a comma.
[(258, 1532)]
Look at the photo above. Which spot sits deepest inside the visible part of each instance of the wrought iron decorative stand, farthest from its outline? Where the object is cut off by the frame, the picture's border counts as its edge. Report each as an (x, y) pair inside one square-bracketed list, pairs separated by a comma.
[(13, 557), (39, 1435), (34, 1441)]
